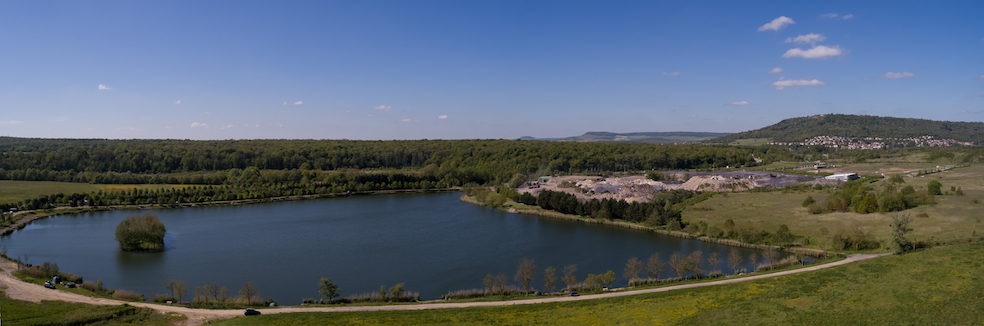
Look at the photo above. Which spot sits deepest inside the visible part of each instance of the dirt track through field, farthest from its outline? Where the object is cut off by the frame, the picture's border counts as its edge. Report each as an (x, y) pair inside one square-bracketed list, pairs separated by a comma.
[(20, 290)]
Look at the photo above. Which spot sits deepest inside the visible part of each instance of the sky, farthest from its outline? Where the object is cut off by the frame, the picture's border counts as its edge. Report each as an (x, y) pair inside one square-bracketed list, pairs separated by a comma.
[(382, 70)]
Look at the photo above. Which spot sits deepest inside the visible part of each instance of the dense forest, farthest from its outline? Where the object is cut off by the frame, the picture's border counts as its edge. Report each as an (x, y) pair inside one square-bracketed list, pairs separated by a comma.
[(48, 159), (798, 129)]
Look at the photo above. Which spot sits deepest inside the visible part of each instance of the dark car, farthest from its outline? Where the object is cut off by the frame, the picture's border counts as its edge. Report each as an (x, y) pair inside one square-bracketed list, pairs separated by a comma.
[(251, 311), (49, 285), (574, 294)]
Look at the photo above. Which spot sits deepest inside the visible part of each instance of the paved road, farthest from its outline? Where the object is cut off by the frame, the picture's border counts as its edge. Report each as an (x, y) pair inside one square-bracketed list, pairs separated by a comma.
[(20, 290)]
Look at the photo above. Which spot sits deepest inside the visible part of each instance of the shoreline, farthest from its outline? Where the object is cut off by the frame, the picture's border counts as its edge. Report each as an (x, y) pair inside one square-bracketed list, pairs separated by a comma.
[(680, 234)]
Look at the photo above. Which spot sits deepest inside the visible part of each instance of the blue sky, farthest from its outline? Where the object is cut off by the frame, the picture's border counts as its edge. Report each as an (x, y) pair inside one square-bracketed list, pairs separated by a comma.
[(472, 69)]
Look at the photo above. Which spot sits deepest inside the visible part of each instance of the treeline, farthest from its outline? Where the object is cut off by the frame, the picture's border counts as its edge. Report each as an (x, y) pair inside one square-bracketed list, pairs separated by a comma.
[(491, 157)]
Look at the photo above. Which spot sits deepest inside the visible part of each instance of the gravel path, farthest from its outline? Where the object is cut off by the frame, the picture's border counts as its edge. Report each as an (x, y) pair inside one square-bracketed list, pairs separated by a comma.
[(20, 290)]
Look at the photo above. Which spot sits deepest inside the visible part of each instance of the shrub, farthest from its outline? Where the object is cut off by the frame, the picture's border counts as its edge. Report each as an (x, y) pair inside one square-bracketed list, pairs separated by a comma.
[(160, 298), (922, 215), (141, 232), (808, 201)]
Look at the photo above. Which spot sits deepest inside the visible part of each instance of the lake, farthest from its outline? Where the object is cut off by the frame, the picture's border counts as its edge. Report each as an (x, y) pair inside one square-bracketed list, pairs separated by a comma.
[(433, 242)]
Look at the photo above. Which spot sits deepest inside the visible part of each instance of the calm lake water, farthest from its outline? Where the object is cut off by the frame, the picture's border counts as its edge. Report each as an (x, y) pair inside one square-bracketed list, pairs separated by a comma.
[(432, 242)]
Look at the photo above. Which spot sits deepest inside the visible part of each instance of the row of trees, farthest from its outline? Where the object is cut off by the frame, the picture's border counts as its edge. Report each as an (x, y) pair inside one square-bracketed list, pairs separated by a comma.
[(859, 197), (210, 294)]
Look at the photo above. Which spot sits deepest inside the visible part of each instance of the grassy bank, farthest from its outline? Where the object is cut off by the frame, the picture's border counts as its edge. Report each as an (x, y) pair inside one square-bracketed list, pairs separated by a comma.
[(16, 312), (940, 286)]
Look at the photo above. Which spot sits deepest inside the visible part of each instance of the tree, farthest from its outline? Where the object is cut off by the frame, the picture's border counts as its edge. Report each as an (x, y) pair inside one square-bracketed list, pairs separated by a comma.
[(714, 260), (753, 258), (654, 266), (327, 288), (608, 278), (180, 290), (900, 227), (569, 278), (499, 285), (693, 262), (896, 178), (934, 188), (679, 264), (488, 281), (525, 273), (141, 232), (632, 269), (770, 256), (396, 292), (549, 277), (734, 259), (249, 292)]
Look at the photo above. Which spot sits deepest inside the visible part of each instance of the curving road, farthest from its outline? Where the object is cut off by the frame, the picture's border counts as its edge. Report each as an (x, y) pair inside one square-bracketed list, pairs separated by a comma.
[(20, 290)]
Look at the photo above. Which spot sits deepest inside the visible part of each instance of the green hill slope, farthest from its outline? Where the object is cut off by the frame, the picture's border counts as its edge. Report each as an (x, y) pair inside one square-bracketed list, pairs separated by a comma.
[(798, 129)]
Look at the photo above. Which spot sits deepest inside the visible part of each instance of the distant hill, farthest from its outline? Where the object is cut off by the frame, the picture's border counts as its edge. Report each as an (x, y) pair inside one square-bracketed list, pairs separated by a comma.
[(639, 137), (844, 125)]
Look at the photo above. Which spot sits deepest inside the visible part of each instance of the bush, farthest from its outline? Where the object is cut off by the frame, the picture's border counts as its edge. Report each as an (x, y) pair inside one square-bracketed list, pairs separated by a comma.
[(808, 201), (160, 298)]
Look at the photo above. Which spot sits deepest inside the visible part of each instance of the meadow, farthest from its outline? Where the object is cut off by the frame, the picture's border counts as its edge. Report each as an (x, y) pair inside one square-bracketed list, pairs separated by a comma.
[(939, 286)]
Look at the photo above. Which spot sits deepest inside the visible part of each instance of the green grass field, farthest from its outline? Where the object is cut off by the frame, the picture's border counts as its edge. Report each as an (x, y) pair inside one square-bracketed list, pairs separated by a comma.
[(16, 191), (954, 217), (941, 286)]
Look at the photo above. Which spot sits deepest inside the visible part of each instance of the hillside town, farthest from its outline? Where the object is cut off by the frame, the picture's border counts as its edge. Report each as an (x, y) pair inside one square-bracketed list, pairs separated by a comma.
[(874, 142)]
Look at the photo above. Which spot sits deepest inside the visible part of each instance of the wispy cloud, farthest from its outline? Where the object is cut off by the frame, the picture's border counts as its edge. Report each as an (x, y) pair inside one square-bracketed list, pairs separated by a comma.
[(835, 16), (775, 70), (384, 107), (178, 102), (783, 83), (199, 125), (442, 117), (806, 39), (10, 122), (126, 129), (777, 24), (405, 120), (226, 127), (817, 52), (104, 88), (740, 103), (672, 73), (893, 75), (298, 103), (981, 77)]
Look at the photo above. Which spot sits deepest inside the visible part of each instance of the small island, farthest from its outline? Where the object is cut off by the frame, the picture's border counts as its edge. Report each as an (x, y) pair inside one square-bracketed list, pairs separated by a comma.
[(141, 233)]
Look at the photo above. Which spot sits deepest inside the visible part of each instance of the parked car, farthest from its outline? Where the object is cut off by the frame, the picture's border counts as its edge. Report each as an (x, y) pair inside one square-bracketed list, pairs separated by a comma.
[(49, 285), (251, 311), (574, 294)]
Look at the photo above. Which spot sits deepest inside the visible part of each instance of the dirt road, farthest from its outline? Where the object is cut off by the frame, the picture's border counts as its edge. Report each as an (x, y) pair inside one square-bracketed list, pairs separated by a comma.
[(20, 290)]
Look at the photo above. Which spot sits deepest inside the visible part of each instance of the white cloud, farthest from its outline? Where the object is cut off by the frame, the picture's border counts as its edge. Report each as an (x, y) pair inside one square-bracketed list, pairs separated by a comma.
[(673, 73), (405, 120), (126, 128), (298, 103), (740, 103), (775, 70), (893, 75), (285, 102), (177, 102), (442, 117), (981, 77), (783, 83), (806, 39), (835, 16), (11, 122), (817, 52), (777, 24), (104, 88), (197, 125), (384, 107)]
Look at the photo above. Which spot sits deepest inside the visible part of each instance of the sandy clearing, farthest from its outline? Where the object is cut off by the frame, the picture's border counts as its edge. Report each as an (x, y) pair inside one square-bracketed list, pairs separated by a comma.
[(20, 290)]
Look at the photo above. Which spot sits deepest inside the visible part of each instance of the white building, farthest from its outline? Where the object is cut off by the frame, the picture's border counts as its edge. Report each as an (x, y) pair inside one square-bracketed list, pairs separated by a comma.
[(843, 176)]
